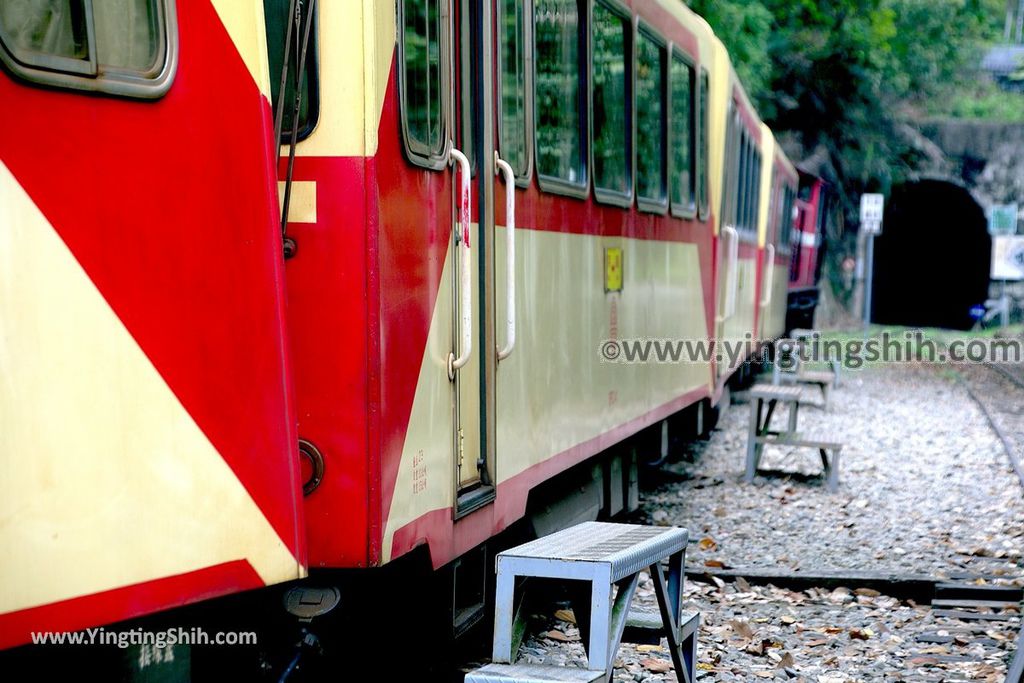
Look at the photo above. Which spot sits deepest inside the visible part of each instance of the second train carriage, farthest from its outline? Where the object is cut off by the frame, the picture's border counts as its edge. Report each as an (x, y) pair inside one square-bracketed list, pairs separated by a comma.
[(481, 194)]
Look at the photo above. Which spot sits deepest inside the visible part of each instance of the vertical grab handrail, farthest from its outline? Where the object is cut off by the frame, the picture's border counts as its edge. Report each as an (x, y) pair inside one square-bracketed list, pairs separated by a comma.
[(732, 282), (502, 167), (465, 276), (769, 274)]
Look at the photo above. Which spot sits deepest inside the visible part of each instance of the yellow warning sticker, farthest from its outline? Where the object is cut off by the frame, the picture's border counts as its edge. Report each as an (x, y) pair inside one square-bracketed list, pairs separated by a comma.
[(613, 269)]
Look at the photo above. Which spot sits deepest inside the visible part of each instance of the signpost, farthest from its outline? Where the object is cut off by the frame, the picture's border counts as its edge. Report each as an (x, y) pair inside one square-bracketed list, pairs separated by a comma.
[(1007, 264), (1002, 220), (1008, 257), (872, 209)]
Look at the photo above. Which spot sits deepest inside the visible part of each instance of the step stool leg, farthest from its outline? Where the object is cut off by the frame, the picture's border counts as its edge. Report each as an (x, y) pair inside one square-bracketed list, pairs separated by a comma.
[(504, 617), (825, 390), (794, 412), (689, 649), (833, 473), (755, 418), (684, 667), (598, 655)]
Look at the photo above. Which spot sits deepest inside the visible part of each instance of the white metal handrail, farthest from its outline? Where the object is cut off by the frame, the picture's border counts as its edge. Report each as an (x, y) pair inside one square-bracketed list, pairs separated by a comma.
[(462, 241), (769, 274), (502, 167)]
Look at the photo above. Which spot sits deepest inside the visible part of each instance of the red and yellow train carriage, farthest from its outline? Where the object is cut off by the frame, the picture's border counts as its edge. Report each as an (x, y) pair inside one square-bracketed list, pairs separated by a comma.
[(481, 192)]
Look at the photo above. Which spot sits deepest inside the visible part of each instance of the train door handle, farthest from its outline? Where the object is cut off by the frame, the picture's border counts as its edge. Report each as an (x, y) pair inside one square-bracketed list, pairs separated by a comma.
[(769, 274), (502, 167), (462, 242)]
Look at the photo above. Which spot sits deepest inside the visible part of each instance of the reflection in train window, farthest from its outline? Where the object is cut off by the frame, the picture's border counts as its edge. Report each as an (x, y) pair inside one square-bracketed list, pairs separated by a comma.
[(683, 178), (512, 48), (650, 119), (422, 85), (702, 147), (275, 13), (560, 120), (612, 173), (122, 47)]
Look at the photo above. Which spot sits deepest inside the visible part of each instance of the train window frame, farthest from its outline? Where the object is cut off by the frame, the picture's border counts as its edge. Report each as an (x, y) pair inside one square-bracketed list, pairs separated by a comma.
[(553, 184), (727, 198), (434, 160), (605, 195), (312, 74), (524, 175), (91, 75), (466, 113), (658, 205), (703, 144), (680, 209), (742, 169), (755, 205), (782, 244), (749, 185)]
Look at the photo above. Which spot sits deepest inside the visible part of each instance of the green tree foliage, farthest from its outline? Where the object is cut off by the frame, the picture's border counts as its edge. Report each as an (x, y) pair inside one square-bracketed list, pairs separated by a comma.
[(844, 74)]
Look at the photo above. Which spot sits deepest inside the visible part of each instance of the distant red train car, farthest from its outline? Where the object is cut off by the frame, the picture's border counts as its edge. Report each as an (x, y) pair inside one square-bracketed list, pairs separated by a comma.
[(814, 213)]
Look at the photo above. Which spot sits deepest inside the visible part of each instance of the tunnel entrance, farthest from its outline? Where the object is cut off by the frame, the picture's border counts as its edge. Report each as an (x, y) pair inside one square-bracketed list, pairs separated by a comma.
[(932, 261)]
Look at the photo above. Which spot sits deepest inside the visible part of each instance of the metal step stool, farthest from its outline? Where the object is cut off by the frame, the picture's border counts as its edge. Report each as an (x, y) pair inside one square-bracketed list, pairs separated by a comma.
[(608, 556)]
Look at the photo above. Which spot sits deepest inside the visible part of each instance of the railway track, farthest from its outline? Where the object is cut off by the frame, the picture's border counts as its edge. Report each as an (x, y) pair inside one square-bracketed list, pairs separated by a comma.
[(1002, 404), (1013, 373)]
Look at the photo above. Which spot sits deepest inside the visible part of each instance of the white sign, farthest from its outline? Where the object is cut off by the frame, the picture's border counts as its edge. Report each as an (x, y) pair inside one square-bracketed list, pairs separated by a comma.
[(872, 208), (1002, 219), (1008, 257)]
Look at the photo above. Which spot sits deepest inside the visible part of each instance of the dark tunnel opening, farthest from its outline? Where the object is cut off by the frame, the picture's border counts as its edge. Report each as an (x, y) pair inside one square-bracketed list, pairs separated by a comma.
[(932, 260)]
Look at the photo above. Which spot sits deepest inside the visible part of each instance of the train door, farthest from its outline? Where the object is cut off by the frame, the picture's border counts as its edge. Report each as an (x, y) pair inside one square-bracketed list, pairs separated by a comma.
[(495, 78), (474, 358), (728, 238)]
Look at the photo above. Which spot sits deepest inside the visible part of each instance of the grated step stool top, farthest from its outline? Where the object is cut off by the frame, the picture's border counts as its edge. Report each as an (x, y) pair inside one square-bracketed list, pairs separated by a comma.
[(784, 392), (627, 548), (532, 673)]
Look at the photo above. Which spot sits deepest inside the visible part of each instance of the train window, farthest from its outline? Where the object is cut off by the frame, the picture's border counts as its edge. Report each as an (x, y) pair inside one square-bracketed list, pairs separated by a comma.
[(118, 47), (422, 72), (755, 205), (741, 181), (468, 80), (561, 118), (784, 225), (683, 177), (728, 173), (703, 146), (276, 15), (609, 102), (651, 122), (513, 85)]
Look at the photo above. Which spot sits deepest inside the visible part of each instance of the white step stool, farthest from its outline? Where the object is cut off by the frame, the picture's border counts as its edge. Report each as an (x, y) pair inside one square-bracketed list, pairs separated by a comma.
[(607, 556)]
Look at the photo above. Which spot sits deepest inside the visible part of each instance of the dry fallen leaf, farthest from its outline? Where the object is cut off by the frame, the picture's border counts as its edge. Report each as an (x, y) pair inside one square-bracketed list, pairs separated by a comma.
[(742, 584), (649, 648), (659, 666), (707, 543), (861, 633), (555, 634), (742, 629), (787, 661), (867, 592), (566, 615), (718, 564)]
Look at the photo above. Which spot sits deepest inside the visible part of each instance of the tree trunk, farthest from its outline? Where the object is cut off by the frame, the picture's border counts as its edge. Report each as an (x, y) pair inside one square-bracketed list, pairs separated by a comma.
[(1020, 21)]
